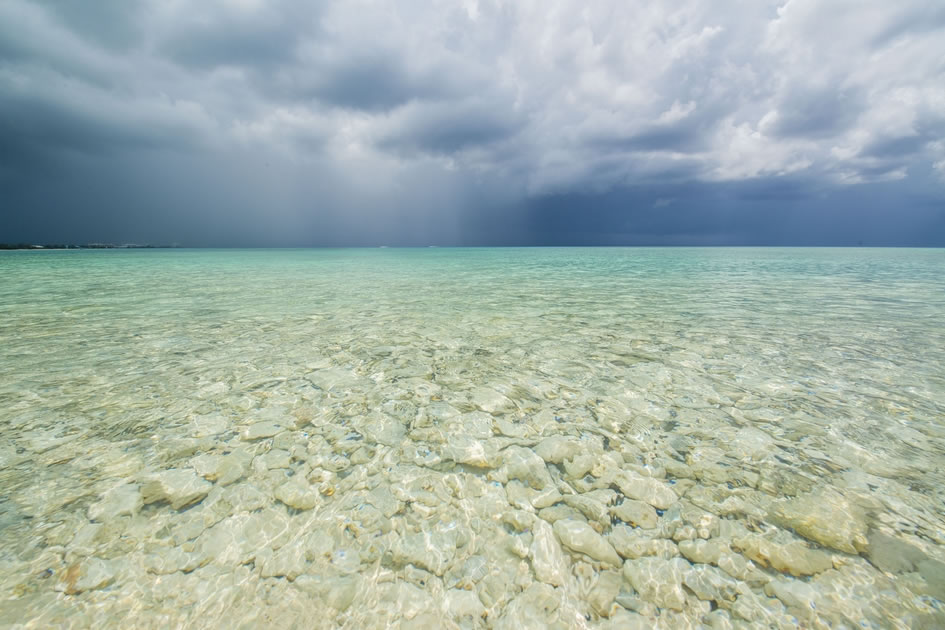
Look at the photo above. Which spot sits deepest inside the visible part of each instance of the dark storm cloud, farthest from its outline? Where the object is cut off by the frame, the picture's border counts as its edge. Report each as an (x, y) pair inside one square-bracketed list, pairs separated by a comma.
[(448, 129), (897, 147), (34, 43), (115, 24), (475, 122), (682, 138), (374, 81), (922, 137), (738, 213), (926, 17), (47, 123), (212, 34), (817, 112), (212, 45), (782, 189)]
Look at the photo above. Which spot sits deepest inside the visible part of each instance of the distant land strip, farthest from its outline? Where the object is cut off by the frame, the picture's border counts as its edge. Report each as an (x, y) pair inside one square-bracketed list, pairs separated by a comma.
[(84, 246)]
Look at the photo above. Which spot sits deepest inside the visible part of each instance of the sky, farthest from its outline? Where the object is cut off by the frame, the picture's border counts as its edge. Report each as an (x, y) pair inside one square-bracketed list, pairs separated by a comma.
[(476, 122)]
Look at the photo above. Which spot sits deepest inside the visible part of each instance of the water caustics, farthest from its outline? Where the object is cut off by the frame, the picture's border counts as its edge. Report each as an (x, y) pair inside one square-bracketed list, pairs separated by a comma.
[(508, 438)]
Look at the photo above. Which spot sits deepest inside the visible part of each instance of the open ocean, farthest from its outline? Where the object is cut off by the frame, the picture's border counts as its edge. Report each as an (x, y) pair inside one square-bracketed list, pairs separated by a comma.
[(472, 438)]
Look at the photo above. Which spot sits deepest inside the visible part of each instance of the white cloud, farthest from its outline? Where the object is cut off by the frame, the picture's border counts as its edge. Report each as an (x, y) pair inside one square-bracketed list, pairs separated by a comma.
[(676, 112)]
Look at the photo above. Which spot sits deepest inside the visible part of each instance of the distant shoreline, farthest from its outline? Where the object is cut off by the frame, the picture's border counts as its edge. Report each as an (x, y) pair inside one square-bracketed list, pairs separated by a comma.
[(92, 246), (30, 246)]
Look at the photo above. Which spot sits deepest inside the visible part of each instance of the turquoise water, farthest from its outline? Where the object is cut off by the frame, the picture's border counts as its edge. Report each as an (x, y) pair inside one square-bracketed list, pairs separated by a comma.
[(458, 437)]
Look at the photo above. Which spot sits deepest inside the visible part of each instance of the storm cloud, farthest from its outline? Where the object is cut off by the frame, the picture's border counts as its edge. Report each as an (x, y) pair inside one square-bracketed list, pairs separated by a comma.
[(243, 122)]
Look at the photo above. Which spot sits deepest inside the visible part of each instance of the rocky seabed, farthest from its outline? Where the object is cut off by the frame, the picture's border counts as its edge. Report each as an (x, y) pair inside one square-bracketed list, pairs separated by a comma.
[(442, 517)]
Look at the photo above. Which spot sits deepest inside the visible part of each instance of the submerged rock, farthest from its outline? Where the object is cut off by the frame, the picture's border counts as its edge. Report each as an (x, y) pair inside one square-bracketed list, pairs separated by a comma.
[(223, 469), (526, 466), (210, 424), (261, 430), (238, 539), (432, 550), (591, 509), (548, 559), (762, 612), (288, 562), (535, 608), (490, 401), (702, 551), (636, 513), (464, 607), (625, 620), (605, 591), (658, 581), (245, 497), (275, 459), (557, 448), (795, 557), (172, 560), (558, 512), (741, 568), (477, 424), (579, 465), (631, 545), (206, 465), (578, 536), (795, 594), (825, 517), (384, 429), (464, 449), (346, 560), (647, 489), (298, 494), (180, 488), (124, 500), (752, 443), (893, 555), (337, 592), (933, 572), (710, 584), (473, 570), (703, 523), (88, 575)]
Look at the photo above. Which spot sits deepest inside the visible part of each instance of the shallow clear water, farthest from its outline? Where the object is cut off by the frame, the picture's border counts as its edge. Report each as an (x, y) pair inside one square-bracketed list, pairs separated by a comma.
[(360, 438)]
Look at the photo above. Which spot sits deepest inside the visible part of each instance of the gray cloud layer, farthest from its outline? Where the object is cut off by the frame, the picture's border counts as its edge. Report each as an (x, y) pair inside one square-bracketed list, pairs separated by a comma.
[(290, 122)]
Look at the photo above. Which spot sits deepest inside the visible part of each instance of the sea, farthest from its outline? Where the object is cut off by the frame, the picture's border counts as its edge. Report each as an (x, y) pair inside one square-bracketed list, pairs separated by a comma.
[(472, 438)]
